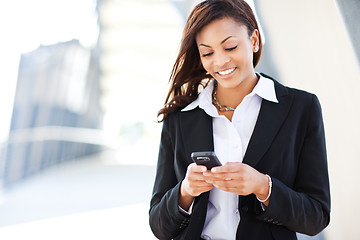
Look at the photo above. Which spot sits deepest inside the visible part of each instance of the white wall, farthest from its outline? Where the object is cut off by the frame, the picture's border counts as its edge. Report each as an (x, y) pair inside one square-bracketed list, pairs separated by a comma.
[(311, 50)]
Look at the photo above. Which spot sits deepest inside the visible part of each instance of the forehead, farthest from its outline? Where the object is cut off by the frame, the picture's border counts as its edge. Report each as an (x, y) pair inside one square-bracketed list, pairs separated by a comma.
[(220, 29)]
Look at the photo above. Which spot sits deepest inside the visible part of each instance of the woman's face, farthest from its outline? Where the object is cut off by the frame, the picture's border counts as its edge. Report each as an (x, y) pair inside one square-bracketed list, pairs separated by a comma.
[(226, 51)]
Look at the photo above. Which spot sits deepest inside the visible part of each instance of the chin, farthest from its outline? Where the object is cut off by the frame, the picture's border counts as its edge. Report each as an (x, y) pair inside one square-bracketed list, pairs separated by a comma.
[(228, 84)]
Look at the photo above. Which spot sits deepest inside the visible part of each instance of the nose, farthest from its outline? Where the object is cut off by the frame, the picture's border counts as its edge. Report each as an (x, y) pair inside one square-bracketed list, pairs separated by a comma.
[(221, 59)]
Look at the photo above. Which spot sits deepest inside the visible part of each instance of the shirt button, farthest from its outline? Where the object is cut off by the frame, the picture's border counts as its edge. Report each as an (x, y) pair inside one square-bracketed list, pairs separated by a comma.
[(236, 210)]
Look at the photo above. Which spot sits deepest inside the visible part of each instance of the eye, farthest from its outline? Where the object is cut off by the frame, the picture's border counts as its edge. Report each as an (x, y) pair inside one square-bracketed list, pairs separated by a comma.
[(230, 49), (207, 54)]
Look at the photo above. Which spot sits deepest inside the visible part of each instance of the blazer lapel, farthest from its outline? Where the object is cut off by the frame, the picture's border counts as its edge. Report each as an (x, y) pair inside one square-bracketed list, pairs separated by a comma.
[(270, 119), (197, 133), (196, 129)]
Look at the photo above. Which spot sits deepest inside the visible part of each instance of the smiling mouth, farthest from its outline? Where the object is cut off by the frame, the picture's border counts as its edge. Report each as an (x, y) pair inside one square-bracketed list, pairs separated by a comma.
[(226, 72)]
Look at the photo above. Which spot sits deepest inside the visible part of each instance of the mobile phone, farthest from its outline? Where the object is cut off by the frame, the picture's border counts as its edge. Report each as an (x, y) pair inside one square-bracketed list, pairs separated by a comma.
[(208, 159)]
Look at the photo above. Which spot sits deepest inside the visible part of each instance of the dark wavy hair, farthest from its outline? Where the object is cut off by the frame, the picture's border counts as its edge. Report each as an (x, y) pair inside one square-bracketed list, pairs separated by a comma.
[(188, 74)]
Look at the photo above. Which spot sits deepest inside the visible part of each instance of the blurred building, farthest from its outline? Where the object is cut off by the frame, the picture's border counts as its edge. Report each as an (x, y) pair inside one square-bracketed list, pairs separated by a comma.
[(311, 45), (56, 111)]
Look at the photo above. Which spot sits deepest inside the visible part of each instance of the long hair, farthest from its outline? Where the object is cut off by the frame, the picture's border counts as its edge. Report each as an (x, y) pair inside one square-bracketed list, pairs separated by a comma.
[(188, 74)]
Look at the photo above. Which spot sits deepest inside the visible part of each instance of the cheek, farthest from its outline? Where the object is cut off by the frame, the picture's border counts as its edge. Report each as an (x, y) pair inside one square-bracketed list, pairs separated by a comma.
[(243, 58), (206, 65), (250, 53)]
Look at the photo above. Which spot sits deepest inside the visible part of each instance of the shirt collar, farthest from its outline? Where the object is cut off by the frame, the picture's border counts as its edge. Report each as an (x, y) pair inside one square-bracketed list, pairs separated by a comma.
[(204, 101), (265, 89)]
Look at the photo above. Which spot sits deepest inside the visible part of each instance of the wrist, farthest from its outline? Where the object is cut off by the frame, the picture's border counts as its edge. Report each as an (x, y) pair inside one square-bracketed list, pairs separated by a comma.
[(183, 192), (185, 199), (265, 191)]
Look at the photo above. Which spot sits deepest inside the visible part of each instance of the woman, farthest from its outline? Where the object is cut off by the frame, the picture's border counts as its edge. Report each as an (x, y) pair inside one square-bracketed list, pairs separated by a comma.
[(273, 181)]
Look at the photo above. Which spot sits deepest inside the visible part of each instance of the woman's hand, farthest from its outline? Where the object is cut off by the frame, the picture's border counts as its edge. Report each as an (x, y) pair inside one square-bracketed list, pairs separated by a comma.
[(193, 185), (239, 178)]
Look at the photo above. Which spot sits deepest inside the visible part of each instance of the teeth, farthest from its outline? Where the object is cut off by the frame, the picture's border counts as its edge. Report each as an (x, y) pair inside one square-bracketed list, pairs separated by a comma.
[(226, 71)]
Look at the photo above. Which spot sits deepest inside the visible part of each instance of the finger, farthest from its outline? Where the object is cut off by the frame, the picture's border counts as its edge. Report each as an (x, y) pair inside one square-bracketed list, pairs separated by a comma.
[(228, 167), (223, 175), (218, 177), (231, 189), (195, 177), (205, 189), (202, 187), (228, 183), (194, 173), (199, 184), (232, 186), (193, 167), (225, 185), (197, 191), (195, 188)]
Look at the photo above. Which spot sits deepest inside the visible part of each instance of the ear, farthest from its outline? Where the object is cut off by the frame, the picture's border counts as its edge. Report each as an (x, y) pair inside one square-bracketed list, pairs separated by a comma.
[(254, 38)]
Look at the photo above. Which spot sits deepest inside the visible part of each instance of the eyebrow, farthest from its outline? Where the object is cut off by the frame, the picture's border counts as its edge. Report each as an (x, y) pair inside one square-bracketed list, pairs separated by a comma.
[(201, 44)]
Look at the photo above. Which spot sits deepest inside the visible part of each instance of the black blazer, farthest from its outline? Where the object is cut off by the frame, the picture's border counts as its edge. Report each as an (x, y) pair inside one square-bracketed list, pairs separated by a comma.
[(288, 143)]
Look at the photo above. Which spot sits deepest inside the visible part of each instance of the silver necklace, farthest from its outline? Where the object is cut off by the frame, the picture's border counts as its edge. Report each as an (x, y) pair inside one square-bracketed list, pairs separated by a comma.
[(215, 101)]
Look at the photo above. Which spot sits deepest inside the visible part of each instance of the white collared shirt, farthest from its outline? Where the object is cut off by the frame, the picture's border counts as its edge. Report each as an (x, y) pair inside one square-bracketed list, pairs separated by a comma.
[(231, 139)]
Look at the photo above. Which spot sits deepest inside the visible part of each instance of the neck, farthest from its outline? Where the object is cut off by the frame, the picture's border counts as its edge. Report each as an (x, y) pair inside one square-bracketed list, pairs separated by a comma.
[(232, 97)]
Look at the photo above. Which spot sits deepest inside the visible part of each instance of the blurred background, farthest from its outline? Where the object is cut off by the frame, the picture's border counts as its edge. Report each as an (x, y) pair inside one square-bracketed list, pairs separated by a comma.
[(81, 83)]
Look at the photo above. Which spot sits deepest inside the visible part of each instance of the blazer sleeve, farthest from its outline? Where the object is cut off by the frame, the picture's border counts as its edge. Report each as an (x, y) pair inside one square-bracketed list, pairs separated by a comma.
[(166, 219), (305, 207)]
